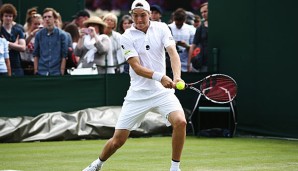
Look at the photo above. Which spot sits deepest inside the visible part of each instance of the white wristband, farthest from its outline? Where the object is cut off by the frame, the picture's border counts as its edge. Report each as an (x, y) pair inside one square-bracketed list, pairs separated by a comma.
[(157, 76)]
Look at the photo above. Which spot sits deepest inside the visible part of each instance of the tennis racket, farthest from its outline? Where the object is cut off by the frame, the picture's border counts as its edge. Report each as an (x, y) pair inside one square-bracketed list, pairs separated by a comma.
[(218, 88)]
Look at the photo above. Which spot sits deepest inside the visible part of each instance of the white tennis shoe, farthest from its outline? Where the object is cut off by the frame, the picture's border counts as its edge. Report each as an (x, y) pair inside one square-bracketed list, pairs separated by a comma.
[(175, 170), (94, 166)]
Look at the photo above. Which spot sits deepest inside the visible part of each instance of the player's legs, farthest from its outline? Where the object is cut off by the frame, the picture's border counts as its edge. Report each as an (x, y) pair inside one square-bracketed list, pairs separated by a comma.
[(177, 119), (119, 138)]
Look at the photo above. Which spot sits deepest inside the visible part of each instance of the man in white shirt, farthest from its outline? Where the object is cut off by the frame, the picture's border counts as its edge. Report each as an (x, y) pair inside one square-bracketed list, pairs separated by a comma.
[(183, 34), (150, 89)]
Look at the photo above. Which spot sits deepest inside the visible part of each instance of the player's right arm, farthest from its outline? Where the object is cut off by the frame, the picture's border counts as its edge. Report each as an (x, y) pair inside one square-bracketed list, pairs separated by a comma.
[(135, 64)]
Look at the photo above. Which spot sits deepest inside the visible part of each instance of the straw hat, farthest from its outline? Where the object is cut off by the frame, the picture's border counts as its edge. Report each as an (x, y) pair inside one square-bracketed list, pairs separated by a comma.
[(94, 20)]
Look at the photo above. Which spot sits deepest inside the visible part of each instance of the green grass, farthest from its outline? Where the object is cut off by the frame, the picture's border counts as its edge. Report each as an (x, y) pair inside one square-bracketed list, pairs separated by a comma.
[(144, 154)]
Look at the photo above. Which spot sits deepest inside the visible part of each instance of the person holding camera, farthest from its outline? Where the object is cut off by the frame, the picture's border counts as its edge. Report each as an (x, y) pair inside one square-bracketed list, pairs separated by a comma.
[(94, 47)]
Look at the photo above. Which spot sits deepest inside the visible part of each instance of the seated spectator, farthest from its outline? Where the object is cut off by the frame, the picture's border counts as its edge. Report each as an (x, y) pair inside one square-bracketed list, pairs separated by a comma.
[(34, 24), (111, 21), (5, 69), (15, 37), (50, 47), (94, 47)]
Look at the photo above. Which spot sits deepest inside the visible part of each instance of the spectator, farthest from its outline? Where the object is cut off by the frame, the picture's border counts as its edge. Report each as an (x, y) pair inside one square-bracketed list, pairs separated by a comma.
[(201, 41), (58, 21), (94, 47), (30, 13), (80, 17), (156, 13), (15, 37), (34, 24), (50, 47), (197, 21), (125, 23), (190, 17), (5, 69), (72, 60), (183, 35), (111, 20)]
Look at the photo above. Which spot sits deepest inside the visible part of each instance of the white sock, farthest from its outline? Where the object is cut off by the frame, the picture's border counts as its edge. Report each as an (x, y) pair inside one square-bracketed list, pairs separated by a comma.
[(175, 166), (98, 162)]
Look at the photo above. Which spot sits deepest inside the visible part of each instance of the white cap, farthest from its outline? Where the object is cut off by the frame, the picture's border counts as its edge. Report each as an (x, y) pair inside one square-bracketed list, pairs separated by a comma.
[(140, 4)]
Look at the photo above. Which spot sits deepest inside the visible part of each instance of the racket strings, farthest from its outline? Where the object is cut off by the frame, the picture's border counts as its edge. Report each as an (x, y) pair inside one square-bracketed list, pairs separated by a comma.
[(219, 88)]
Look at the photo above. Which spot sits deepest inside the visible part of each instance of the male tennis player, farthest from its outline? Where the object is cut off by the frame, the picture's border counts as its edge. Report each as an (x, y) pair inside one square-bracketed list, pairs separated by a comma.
[(150, 89)]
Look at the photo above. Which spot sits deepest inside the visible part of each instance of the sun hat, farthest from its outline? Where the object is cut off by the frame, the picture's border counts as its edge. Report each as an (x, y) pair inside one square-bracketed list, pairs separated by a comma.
[(140, 4), (94, 20)]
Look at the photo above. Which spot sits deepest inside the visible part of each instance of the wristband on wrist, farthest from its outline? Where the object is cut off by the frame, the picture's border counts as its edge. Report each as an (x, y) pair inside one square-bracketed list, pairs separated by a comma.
[(157, 76)]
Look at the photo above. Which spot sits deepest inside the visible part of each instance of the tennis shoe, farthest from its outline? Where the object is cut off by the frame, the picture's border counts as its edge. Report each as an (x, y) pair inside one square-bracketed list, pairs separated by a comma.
[(175, 170), (94, 166)]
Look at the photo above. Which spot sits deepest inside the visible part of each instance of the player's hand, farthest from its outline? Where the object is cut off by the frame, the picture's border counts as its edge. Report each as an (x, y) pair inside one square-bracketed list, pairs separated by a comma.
[(167, 82)]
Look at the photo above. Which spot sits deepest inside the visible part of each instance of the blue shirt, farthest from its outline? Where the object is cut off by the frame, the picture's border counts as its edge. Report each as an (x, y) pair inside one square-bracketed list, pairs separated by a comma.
[(50, 49)]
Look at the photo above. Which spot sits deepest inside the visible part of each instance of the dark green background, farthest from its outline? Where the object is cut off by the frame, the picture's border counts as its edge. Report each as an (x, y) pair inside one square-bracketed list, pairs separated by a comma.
[(257, 42)]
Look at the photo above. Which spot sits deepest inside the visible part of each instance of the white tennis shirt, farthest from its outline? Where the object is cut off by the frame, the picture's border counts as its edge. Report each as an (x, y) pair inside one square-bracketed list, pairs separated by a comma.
[(150, 48)]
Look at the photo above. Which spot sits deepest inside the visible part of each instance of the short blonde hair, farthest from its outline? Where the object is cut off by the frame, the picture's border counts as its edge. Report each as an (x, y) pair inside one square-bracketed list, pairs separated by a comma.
[(113, 17)]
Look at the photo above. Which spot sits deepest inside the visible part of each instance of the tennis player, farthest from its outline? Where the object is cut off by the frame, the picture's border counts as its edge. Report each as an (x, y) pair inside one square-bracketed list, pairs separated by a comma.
[(150, 89)]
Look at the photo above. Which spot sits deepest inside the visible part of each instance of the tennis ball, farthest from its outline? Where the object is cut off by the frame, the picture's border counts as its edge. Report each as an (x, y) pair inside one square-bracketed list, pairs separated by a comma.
[(180, 85)]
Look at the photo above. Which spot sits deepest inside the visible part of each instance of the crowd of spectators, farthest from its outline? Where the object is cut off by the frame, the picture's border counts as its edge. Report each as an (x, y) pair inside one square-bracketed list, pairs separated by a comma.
[(45, 45)]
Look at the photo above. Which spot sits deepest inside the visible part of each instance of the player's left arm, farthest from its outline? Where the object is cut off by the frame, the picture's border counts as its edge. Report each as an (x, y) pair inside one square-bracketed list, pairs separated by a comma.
[(175, 62)]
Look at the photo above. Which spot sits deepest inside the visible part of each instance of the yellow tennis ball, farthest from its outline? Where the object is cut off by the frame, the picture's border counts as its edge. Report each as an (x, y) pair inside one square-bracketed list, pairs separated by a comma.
[(180, 85)]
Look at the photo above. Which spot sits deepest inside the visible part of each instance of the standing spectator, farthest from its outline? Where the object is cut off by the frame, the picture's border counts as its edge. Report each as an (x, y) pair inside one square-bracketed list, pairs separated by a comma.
[(4, 58), (15, 37), (183, 35), (150, 88), (72, 60), (34, 24), (80, 17), (197, 21), (50, 47), (190, 17), (111, 20), (94, 47), (156, 13), (30, 13), (125, 23), (201, 41)]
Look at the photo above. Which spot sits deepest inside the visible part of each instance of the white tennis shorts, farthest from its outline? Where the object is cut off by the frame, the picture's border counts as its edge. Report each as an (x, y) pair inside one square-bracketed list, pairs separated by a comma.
[(136, 106)]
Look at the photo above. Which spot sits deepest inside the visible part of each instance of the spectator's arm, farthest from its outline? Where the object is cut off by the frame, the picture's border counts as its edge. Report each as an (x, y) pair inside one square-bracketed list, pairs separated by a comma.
[(18, 45), (63, 64), (7, 62)]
